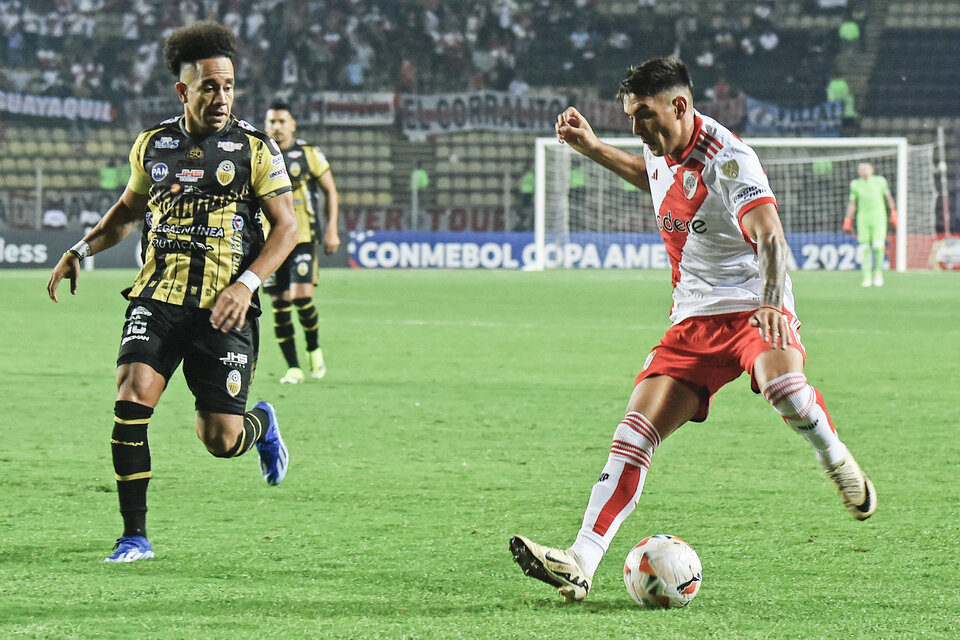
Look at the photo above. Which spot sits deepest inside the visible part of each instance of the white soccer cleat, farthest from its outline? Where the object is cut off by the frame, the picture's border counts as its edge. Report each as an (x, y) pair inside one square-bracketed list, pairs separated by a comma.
[(294, 375), (318, 368), (878, 280), (554, 566), (866, 282), (854, 487)]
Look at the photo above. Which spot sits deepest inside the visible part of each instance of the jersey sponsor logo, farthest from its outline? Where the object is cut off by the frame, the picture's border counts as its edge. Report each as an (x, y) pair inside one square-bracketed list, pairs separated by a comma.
[(182, 246), (243, 124), (229, 146), (731, 169), (159, 172), (166, 142), (226, 170), (195, 153), (235, 359), (296, 153), (140, 311), (276, 161), (127, 339), (294, 169), (234, 382), (237, 223), (277, 173), (670, 224), (690, 182), (190, 175), (190, 230), (175, 188)]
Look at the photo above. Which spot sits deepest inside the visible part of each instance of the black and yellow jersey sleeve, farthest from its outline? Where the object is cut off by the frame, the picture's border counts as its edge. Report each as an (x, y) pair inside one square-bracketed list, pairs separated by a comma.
[(316, 161), (268, 172), (139, 180)]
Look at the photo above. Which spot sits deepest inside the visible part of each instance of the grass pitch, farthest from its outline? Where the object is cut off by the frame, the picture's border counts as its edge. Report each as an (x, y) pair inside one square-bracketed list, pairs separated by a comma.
[(461, 408)]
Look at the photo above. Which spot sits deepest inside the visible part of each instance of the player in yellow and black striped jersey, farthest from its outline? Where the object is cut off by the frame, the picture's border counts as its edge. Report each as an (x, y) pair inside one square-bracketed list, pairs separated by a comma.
[(291, 286), (197, 184)]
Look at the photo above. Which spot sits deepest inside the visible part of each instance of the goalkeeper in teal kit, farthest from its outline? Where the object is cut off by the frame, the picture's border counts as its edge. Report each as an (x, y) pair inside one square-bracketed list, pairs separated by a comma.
[(870, 199)]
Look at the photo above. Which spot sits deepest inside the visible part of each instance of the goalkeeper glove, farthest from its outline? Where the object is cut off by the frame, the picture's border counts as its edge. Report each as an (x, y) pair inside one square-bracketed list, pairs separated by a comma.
[(848, 225), (893, 217)]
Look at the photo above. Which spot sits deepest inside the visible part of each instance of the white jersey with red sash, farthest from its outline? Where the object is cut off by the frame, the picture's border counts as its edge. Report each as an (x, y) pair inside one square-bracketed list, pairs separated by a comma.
[(699, 203)]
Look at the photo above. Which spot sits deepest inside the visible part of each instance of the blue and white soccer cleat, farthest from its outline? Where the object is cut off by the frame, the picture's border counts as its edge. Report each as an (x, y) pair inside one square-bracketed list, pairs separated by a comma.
[(273, 452), (130, 548)]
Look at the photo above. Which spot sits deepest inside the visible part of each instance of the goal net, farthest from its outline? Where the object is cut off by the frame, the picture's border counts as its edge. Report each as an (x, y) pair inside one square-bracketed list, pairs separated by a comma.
[(587, 216)]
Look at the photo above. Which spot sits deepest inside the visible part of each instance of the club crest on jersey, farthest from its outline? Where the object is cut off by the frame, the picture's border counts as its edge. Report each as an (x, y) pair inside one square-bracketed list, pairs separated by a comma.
[(226, 170), (294, 169), (234, 382), (730, 168), (237, 223), (159, 172), (690, 183)]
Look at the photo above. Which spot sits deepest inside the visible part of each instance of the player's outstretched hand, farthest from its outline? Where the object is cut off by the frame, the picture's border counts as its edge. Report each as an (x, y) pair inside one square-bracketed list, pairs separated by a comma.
[(230, 310), (773, 326), (69, 268), (573, 129)]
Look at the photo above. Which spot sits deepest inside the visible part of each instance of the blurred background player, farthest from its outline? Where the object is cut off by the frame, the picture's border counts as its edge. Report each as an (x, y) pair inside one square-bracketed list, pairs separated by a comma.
[(196, 184), (733, 309), (870, 199), (292, 284)]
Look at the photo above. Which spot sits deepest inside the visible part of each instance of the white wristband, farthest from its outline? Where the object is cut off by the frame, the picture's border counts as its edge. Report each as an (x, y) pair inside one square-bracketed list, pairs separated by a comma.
[(81, 250), (250, 280)]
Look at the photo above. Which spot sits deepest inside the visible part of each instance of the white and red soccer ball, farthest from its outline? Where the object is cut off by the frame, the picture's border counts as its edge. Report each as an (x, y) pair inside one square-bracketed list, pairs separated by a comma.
[(662, 572)]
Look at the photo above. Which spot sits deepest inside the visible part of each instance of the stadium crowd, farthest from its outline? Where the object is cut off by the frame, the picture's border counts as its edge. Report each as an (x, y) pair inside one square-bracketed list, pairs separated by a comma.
[(111, 50)]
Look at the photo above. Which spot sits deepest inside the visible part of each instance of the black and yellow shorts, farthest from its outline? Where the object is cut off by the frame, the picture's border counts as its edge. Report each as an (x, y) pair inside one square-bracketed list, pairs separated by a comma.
[(300, 267), (218, 367)]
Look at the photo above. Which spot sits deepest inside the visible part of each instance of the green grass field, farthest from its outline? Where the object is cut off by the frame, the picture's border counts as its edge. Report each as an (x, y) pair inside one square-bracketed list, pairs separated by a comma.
[(461, 408)]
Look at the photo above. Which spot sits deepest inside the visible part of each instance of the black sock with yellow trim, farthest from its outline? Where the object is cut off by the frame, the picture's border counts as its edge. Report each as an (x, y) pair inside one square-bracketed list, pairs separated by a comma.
[(285, 331), (254, 426), (310, 321), (131, 463)]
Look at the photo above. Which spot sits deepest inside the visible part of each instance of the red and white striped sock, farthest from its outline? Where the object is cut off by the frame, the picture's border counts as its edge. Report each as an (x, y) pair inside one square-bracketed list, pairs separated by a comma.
[(802, 407), (615, 494)]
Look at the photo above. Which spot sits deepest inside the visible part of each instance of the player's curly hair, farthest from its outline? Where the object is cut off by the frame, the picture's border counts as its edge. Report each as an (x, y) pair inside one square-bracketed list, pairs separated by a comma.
[(198, 41), (653, 76)]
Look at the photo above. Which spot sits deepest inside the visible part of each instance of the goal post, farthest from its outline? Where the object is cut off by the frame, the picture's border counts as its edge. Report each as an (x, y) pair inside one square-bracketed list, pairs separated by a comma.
[(587, 216)]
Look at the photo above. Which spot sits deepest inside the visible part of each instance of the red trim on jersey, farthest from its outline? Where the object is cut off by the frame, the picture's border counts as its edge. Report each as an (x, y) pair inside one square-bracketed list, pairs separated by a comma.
[(697, 128), (753, 204)]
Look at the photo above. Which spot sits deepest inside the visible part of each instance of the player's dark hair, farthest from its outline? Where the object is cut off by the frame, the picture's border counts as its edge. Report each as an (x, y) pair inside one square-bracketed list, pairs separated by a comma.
[(280, 105), (654, 76), (198, 41)]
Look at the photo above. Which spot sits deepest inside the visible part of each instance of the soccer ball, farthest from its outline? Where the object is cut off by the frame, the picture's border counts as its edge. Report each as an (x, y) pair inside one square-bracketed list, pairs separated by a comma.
[(662, 572)]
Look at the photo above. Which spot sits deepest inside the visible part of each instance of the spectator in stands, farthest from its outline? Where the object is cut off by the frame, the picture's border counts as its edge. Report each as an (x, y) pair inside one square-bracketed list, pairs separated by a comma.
[(839, 89), (54, 217)]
